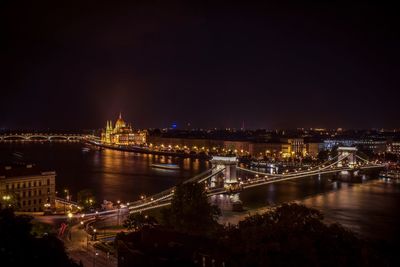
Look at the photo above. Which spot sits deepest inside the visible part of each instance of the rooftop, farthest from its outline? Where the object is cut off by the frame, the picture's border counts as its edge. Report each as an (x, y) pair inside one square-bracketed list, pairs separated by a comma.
[(20, 170)]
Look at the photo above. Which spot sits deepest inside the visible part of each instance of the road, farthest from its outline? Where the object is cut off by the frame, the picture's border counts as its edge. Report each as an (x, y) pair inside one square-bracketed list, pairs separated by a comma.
[(81, 249)]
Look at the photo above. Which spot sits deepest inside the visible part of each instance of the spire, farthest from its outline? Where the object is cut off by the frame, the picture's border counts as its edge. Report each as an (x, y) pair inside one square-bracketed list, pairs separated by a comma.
[(120, 115)]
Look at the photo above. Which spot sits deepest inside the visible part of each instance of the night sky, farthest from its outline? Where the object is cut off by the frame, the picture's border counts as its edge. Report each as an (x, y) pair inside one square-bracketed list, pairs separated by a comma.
[(74, 66)]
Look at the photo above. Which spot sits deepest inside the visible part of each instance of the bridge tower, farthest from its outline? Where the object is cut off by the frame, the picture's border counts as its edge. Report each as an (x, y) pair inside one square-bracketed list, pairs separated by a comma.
[(349, 153), (229, 163)]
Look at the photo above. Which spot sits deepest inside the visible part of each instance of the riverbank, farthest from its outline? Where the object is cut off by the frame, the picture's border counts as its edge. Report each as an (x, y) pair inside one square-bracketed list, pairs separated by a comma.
[(147, 150), (367, 208)]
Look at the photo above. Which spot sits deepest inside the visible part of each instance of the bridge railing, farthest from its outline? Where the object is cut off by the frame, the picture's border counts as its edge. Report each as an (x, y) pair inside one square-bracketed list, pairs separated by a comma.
[(65, 201), (314, 169), (168, 193)]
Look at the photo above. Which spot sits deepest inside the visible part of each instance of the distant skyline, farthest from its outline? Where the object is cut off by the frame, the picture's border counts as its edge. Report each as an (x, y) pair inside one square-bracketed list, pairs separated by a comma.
[(74, 66)]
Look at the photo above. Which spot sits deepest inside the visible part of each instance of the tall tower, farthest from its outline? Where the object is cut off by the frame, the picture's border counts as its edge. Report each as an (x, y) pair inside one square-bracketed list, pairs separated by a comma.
[(108, 131)]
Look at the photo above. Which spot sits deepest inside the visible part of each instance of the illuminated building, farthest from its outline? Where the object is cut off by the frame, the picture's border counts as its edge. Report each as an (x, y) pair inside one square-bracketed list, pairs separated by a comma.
[(373, 145), (296, 145), (394, 147), (27, 188), (313, 148), (122, 134)]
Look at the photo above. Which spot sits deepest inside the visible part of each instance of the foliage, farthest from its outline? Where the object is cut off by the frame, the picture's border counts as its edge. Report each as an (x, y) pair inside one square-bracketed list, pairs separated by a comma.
[(323, 155), (307, 160), (40, 229), (137, 221), (294, 235), (86, 199), (18, 247), (334, 151), (190, 211)]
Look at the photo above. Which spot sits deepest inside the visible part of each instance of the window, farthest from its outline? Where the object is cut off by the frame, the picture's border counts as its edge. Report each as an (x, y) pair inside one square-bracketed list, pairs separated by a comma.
[(34, 201), (23, 203), (40, 183), (30, 184), (18, 185), (24, 185), (40, 192), (29, 202), (48, 181), (29, 193), (13, 186), (40, 200), (34, 183), (24, 194)]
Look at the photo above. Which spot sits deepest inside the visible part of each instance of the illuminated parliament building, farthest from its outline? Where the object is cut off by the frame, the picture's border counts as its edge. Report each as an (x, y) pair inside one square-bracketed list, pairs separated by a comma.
[(122, 134)]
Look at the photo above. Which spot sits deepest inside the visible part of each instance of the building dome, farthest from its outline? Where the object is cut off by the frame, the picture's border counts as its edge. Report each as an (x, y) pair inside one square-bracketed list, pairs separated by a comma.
[(120, 123)]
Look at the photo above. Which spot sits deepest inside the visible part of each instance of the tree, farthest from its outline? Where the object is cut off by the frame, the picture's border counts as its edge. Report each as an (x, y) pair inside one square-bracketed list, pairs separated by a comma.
[(294, 235), (18, 247), (190, 211), (323, 155), (86, 199), (137, 221)]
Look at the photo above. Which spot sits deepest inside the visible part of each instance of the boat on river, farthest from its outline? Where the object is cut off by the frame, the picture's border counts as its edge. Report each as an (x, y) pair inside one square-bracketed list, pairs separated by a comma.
[(390, 174), (165, 166), (18, 155)]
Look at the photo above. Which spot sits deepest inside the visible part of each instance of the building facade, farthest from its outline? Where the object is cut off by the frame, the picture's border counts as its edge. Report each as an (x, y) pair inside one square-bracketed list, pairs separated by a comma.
[(296, 145), (394, 147), (241, 148), (373, 145), (313, 148), (27, 188), (122, 134)]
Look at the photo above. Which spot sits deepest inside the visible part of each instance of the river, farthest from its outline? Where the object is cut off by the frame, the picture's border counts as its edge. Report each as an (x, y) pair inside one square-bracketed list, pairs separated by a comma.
[(369, 208), (112, 175)]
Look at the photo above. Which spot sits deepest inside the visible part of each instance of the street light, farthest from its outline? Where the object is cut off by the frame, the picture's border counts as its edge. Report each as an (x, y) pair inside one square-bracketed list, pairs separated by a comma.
[(94, 234), (47, 206), (119, 206), (67, 193), (94, 257), (7, 198)]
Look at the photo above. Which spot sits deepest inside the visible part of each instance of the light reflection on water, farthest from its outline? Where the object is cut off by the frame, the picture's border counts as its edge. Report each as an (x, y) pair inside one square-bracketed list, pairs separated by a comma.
[(112, 175), (370, 209)]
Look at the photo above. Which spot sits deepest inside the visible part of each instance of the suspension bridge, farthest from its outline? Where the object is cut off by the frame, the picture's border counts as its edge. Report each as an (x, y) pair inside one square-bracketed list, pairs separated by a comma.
[(222, 178)]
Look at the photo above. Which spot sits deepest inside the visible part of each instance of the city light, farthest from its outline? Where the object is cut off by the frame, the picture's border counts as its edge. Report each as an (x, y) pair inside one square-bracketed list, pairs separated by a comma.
[(261, 117)]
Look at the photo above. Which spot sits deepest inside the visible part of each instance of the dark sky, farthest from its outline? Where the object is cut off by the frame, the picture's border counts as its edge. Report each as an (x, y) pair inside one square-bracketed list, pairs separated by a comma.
[(274, 66)]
